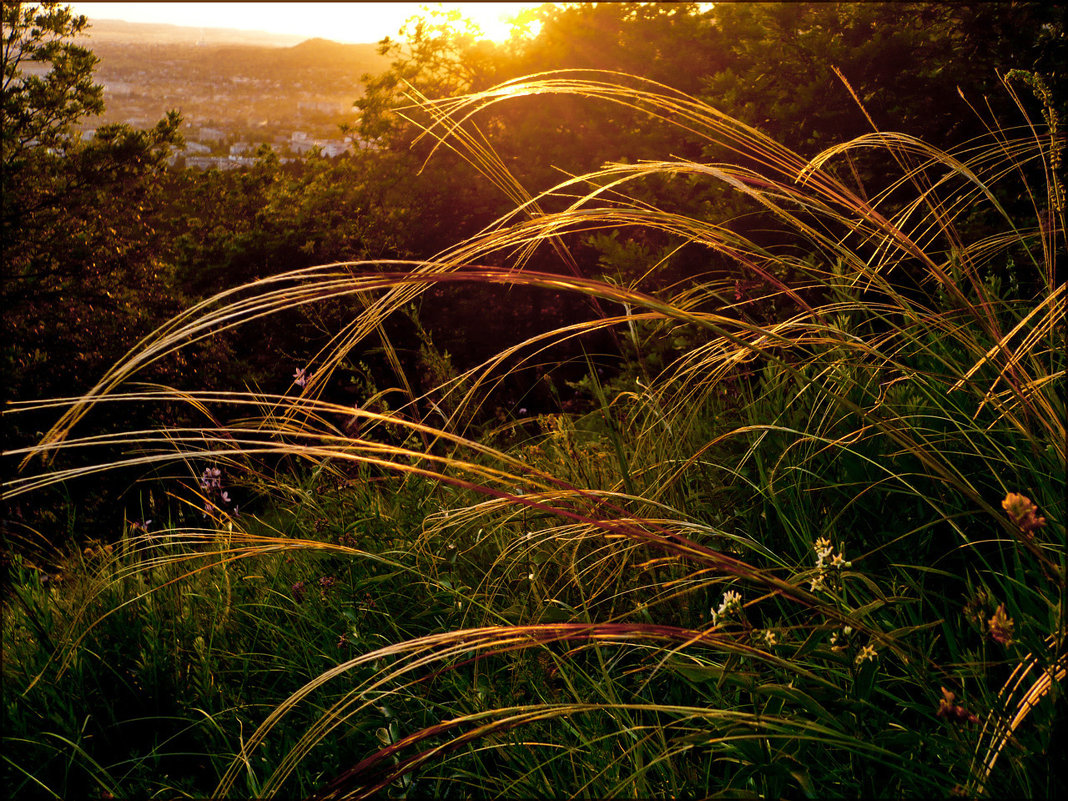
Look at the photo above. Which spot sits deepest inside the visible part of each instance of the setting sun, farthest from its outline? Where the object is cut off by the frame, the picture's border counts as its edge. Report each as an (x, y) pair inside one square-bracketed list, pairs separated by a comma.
[(494, 19), (341, 22)]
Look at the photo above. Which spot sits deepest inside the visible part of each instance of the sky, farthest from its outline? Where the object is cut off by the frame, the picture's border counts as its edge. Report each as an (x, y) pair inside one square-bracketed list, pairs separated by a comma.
[(341, 22)]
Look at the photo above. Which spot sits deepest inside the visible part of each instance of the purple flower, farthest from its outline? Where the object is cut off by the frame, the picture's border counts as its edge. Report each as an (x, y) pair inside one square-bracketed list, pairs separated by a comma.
[(298, 591), (300, 377), (211, 479)]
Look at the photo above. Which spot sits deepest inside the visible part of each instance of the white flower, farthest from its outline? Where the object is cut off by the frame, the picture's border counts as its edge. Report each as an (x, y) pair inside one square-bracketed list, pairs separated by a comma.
[(866, 653), (731, 602)]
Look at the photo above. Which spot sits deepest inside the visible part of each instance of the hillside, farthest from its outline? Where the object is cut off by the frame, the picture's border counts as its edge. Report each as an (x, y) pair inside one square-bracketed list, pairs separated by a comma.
[(248, 85), (119, 31)]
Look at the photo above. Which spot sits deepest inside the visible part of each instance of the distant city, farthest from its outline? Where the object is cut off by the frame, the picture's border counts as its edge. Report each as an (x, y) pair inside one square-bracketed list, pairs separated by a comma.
[(236, 90)]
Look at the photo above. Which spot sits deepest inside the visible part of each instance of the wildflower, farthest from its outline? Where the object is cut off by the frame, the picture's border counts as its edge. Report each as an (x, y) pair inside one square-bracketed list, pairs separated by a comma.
[(730, 604), (765, 637), (300, 377), (342, 641), (949, 709), (839, 561), (866, 653), (211, 479), (816, 584), (1001, 626), (211, 485), (530, 576), (326, 582), (298, 591), (1023, 513), (839, 640)]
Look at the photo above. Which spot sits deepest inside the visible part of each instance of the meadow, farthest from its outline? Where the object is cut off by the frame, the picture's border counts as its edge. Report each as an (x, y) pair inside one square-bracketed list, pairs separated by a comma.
[(807, 541)]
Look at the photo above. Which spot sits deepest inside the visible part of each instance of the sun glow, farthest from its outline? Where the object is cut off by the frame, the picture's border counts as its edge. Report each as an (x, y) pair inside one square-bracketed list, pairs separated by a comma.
[(494, 19), (341, 22)]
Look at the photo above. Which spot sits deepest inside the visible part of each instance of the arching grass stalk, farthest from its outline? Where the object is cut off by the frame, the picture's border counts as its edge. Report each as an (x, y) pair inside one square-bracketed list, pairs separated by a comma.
[(806, 570)]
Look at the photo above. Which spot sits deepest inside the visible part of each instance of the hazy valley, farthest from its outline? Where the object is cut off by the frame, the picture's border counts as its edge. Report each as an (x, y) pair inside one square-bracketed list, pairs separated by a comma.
[(235, 89)]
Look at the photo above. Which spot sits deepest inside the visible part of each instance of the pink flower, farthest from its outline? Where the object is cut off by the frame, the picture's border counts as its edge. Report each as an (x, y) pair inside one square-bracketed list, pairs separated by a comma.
[(949, 709), (300, 377), (1023, 513), (1001, 626)]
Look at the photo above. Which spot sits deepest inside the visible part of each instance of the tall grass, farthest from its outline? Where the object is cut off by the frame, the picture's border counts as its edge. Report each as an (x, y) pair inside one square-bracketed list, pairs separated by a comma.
[(817, 550)]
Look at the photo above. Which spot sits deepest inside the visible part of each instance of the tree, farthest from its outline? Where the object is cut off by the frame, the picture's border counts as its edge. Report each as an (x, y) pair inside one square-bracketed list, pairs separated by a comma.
[(76, 214), (85, 274), (41, 110), (906, 61)]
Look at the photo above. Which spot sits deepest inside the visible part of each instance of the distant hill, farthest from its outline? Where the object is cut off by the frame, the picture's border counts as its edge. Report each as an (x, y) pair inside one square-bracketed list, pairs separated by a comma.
[(318, 54), (115, 31), (242, 86), (243, 51), (316, 51)]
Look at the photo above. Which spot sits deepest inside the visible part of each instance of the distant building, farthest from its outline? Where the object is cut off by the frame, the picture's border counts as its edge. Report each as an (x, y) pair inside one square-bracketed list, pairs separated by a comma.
[(334, 148), (218, 162), (211, 135), (323, 106), (238, 148), (203, 162)]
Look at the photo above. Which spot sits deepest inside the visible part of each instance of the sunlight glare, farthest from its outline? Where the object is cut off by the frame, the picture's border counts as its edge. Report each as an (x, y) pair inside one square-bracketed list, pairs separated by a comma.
[(494, 19), (341, 22)]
